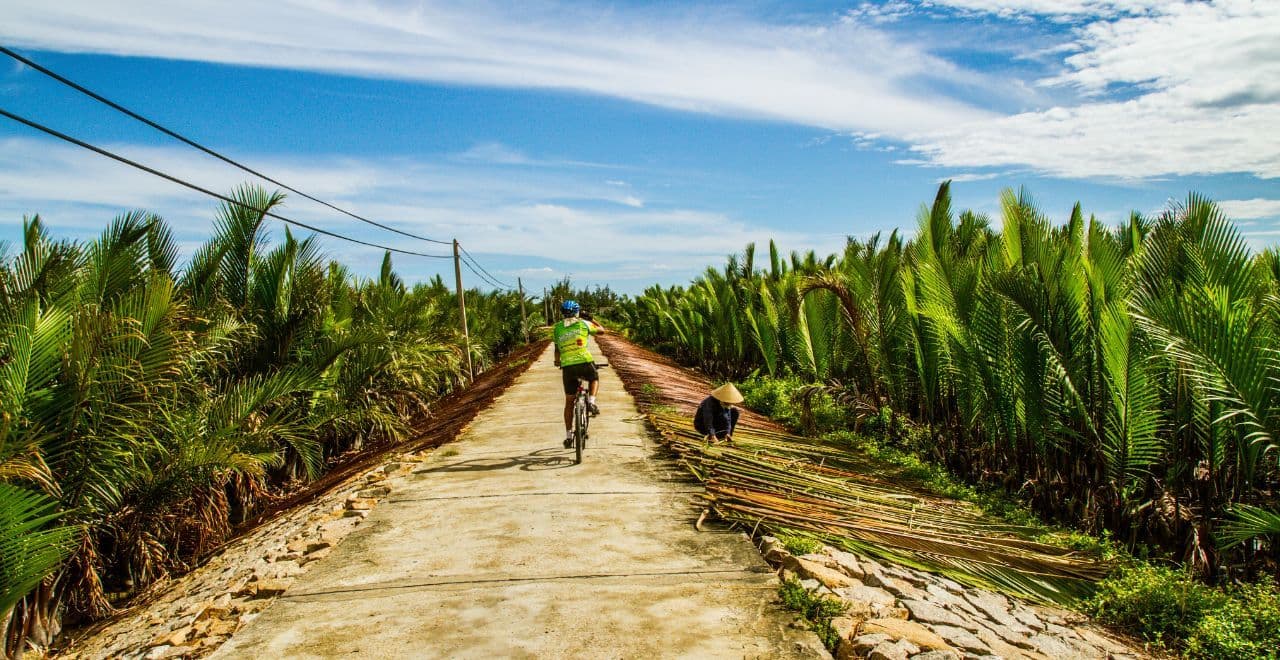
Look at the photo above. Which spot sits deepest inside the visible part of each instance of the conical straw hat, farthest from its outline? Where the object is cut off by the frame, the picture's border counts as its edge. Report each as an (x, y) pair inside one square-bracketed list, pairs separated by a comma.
[(727, 393)]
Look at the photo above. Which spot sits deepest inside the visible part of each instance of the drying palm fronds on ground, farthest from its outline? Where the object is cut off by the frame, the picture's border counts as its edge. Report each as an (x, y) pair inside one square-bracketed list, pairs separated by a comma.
[(772, 481)]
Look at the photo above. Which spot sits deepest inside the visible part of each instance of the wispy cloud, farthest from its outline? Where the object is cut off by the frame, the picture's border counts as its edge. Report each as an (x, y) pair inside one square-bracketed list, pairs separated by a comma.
[(881, 12), (543, 215), (495, 153), (1170, 88), (1052, 7), (839, 74), (1250, 209), (968, 176)]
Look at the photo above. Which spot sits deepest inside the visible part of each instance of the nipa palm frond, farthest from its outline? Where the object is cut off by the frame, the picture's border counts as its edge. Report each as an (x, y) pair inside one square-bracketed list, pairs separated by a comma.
[(31, 545)]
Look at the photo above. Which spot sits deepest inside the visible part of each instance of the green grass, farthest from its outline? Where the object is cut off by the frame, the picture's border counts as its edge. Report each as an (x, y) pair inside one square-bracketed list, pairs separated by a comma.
[(818, 611), (663, 409)]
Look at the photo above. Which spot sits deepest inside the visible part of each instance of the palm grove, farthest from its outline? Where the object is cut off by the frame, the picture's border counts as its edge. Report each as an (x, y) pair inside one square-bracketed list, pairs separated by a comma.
[(1118, 378), (146, 409)]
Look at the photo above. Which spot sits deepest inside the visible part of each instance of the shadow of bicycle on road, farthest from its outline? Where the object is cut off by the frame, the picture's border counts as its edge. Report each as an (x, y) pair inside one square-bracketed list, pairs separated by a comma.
[(551, 458)]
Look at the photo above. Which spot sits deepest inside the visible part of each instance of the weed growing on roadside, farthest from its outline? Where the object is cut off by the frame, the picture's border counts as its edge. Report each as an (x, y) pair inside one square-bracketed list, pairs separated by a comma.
[(817, 610)]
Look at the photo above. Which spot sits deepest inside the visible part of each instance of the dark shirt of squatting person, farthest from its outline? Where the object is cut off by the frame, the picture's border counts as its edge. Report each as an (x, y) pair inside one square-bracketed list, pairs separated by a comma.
[(715, 418)]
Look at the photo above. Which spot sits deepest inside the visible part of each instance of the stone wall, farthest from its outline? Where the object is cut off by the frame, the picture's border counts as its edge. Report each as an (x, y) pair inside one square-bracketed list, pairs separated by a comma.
[(192, 616), (896, 613)]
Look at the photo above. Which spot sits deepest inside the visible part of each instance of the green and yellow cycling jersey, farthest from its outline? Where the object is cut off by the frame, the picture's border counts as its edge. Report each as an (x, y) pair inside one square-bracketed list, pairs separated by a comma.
[(570, 336)]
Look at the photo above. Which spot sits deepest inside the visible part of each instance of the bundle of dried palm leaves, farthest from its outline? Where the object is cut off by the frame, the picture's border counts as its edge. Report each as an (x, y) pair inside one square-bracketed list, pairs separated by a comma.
[(771, 481)]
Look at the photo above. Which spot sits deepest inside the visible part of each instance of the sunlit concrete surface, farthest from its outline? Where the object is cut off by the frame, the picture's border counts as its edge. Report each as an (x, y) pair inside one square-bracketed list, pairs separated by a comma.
[(501, 547)]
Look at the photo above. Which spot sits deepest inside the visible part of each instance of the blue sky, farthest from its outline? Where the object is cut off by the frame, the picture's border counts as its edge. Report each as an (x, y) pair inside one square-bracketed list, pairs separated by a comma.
[(628, 143)]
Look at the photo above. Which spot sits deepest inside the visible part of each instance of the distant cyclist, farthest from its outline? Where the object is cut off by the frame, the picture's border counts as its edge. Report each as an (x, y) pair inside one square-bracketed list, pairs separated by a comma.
[(575, 361)]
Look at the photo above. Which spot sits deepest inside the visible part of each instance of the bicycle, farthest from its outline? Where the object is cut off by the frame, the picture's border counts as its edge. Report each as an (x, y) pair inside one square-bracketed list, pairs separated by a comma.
[(581, 417)]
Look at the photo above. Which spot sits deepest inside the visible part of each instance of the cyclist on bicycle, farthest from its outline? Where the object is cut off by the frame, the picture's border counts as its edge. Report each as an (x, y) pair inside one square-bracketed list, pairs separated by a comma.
[(575, 361)]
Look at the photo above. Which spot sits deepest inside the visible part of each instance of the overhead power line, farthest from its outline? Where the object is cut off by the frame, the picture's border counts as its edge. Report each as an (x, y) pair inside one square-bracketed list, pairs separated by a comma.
[(493, 279), (169, 177), (472, 266), (175, 135), (474, 271)]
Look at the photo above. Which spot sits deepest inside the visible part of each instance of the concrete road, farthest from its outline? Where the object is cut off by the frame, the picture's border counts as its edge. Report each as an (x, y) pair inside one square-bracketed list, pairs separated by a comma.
[(500, 547)]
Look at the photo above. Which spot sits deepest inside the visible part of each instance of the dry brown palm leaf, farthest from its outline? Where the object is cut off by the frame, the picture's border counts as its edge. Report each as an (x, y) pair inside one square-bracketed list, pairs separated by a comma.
[(772, 481)]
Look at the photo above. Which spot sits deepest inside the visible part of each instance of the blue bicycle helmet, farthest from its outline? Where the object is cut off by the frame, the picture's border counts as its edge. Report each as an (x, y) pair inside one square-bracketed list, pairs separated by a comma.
[(569, 308)]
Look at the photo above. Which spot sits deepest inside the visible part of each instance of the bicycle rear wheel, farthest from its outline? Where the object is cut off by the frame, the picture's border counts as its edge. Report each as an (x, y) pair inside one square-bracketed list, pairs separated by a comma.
[(579, 428)]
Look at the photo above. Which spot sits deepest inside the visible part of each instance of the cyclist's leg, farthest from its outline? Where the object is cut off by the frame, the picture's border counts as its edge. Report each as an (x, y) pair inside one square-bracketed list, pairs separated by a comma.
[(568, 412), (593, 381)]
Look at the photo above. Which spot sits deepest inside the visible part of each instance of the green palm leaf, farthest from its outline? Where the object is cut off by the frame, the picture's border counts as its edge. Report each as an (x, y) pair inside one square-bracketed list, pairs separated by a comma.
[(1248, 522), (31, 546)]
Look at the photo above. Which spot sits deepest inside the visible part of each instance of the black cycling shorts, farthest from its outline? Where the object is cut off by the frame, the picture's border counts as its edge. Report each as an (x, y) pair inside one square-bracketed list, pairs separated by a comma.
[(572, 373)]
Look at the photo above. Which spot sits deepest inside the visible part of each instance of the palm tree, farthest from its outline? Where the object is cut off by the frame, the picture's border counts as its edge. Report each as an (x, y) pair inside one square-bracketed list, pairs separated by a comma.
[(145, 411), (1120, 377)]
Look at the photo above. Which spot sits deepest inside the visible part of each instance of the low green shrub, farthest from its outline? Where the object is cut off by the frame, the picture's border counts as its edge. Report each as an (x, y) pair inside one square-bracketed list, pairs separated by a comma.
[(772, 397), (799, 545), (1172, 609), (783, 400)]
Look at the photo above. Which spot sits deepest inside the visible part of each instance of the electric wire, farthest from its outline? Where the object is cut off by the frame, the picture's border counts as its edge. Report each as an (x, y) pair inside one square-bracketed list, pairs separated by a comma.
[(476, 273), (188, 141), (169, 177), (489, 278), (473, 266), (477, 263), (484, 275)]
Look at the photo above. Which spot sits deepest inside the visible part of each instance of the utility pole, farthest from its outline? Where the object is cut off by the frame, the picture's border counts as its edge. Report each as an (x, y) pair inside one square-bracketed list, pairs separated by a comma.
[(524, 320), (462, 308)]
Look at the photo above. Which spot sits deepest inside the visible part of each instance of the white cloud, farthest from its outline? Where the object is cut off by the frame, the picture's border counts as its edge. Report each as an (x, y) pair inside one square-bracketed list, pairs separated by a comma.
[(1052, 7), (1250, 209), (968, 176), (840, 74), (1203, 85), (543, 215), (880, 12), (496, 153), (1160, 87)]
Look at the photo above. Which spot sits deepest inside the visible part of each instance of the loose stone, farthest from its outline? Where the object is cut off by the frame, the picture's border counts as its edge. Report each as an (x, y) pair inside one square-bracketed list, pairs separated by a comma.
[(829, 577), (847, 562), (930, 613), (864, 594), (936, 655), (887, 651), (909, 630), (961, 639), (862, 644)]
